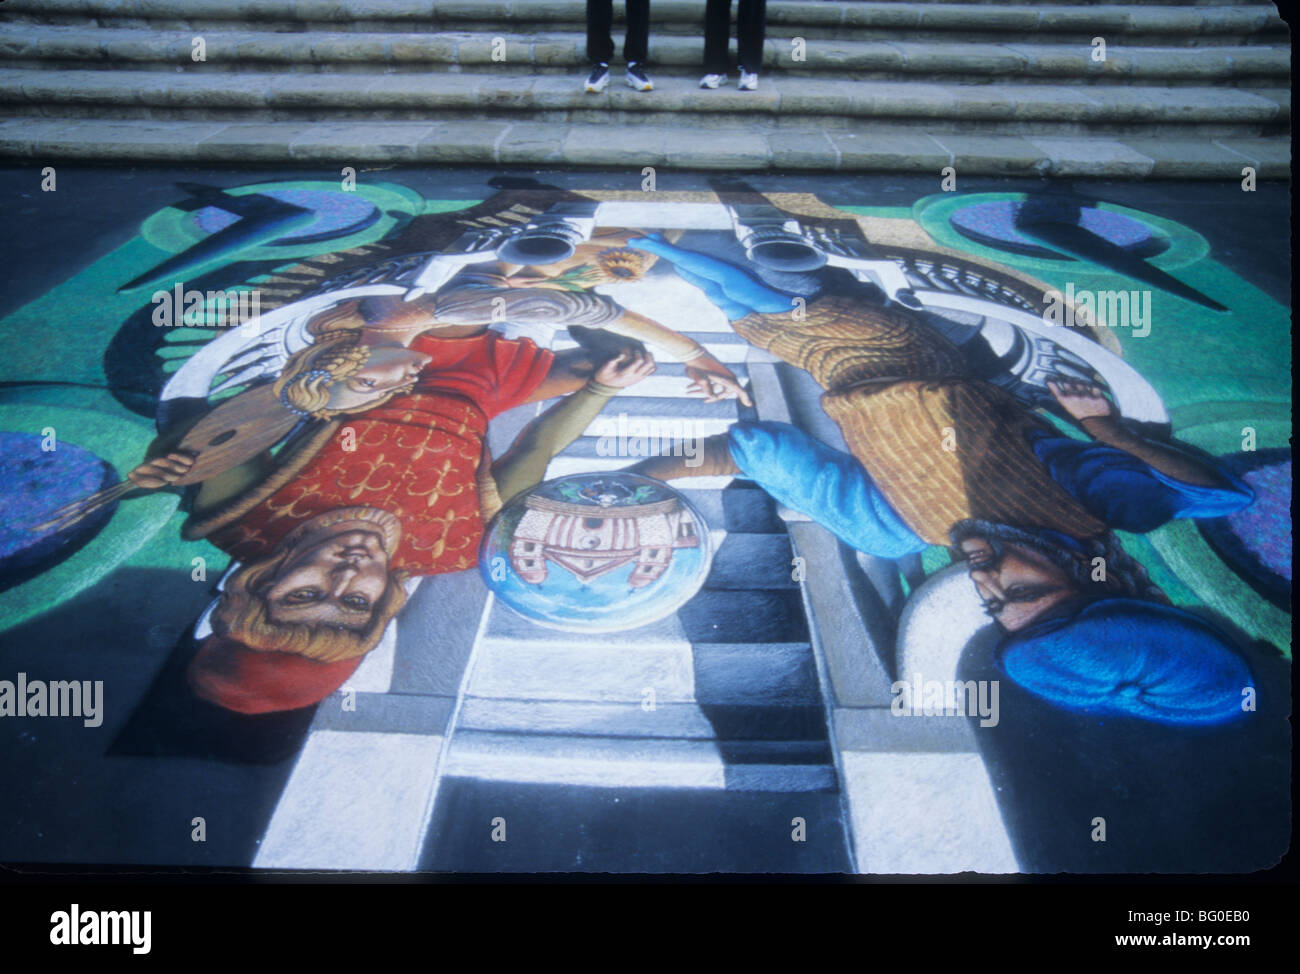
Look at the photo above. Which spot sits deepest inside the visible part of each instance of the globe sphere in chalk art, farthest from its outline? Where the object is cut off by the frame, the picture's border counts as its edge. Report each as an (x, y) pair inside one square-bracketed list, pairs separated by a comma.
[(596, 552)]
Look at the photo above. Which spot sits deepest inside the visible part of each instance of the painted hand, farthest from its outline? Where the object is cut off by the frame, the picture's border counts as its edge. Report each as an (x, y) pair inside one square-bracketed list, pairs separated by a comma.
[(1082, 400), (161, 471), (713, 380), (626, 369)]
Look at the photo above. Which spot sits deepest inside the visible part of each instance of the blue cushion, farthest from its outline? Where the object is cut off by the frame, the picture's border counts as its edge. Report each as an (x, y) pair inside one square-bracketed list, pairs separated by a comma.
[(1125, 657)]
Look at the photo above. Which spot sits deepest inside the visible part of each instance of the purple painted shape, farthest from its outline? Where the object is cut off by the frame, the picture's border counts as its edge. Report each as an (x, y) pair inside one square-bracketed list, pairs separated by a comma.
[(38, 482), (996, 220), (337, 213), (1265, 526)]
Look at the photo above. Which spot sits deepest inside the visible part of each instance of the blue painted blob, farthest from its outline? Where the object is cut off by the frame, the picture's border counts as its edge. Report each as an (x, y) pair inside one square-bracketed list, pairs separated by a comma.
[(1123, 657), (337, 214), (38, 482), (994, 222)]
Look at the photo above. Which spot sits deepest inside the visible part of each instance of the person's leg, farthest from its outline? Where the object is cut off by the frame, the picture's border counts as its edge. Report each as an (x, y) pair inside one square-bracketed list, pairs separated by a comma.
[(738, 286), (712, 460), (717, 32), (714, 292), (831, 487), (751, 21), (636, 42), (600, 45)]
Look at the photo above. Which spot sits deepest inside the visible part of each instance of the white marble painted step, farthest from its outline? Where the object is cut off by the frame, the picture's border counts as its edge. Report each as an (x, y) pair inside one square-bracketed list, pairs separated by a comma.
[(662, 439), (770, 730), (625, 718), (671, 302), (659, 416), (620, 763), (516, 658), (590, 761), (344, 783), (924, 813)]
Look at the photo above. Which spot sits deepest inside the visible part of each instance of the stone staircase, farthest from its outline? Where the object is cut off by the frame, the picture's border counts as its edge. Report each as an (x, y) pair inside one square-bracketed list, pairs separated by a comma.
[(1186, 89)]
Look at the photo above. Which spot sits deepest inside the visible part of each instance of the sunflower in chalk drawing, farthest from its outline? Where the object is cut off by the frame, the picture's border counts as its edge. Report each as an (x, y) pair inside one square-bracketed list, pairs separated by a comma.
[(622, 263)]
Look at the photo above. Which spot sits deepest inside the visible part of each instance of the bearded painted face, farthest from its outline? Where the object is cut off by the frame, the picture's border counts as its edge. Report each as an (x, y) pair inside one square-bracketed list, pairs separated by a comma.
[(324, 593), (1016, 584), (1021, 574), (1025, 574), (336, 571)]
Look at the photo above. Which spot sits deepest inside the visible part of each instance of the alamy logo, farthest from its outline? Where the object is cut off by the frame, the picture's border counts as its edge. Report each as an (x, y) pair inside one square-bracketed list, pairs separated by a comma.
[(1081, 308), (104, 927), (207, 309), (946, 698), (622, 437), (57, 698)]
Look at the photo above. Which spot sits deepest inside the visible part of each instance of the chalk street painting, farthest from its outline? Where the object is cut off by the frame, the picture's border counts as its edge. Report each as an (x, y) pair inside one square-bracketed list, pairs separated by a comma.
[(349, 529)]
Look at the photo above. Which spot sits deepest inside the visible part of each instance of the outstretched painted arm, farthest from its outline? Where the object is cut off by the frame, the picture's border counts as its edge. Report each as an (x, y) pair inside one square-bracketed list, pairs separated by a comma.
[(1098, 417), (729, 287), (524, 464), (708, 376)]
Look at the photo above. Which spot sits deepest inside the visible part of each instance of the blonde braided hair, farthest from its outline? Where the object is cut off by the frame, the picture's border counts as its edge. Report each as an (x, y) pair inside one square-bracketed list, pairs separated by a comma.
[(304, 385)]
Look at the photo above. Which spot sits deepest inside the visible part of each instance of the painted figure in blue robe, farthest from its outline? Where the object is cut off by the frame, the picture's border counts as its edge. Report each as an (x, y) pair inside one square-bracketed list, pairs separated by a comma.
[(941, 457)]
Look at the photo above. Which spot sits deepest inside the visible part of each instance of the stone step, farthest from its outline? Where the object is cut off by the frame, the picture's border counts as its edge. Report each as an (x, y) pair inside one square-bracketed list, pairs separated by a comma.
[(565, 828), (639, 440), (745, 509), (666, 415), (799, 104), (501, 142), (239, 51), (742, 508), (619, 669), (611, 762), (747, 561), (1068, 20), (635, 719), (564, 466)]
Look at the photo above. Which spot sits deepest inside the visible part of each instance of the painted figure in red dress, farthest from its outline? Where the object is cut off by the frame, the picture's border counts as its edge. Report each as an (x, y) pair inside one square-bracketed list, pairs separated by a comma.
[(327, 530)]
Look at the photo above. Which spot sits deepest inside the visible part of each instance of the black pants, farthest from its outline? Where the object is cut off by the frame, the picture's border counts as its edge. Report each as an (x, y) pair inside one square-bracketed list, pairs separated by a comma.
[(751, 19), (600, 45)]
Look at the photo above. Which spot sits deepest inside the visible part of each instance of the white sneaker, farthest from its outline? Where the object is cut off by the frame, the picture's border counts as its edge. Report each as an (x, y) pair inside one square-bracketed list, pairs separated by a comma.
[(598, 79), (713, 80), (637, 78), (748, 82)]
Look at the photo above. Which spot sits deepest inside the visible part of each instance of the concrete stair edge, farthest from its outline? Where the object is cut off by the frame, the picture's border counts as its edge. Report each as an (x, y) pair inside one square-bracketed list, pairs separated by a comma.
[(42, 141), (795, 97), (622, 762), (1219, 18), (58, 45)]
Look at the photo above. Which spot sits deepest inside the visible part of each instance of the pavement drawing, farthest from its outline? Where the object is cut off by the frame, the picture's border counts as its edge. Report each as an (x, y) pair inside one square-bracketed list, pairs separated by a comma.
[(705, 530)]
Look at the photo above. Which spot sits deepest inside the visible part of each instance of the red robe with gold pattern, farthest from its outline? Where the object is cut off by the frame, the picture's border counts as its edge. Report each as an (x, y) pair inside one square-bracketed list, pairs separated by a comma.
[(416, 456)]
